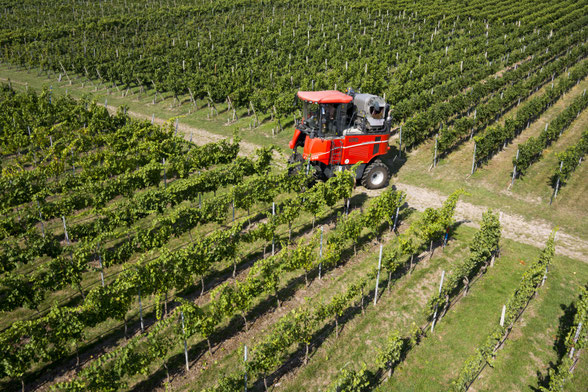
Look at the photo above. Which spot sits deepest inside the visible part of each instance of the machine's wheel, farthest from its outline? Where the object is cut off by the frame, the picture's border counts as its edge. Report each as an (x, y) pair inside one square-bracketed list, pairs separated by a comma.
[(375, 176), (295, 163)]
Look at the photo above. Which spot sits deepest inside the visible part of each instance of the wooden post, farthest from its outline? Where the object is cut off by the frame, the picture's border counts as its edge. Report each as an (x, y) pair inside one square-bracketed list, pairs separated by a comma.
[(254, 114), (435, 314), (192, 98), (378, 276), (65, 72)]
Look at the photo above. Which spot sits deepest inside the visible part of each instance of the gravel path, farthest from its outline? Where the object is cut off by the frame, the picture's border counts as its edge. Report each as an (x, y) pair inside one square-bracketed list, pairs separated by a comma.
[(514, 227)]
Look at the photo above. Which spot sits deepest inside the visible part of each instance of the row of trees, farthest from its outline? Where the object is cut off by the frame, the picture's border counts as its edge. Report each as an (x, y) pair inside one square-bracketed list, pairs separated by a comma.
[(530, 282), (496, 137), (509, 89), (42, 339), (300, 326), (569, 160), (227, 300), (532, 150), (482, 249), (94, 235), (262, 61), (96, 195), (574, 341)]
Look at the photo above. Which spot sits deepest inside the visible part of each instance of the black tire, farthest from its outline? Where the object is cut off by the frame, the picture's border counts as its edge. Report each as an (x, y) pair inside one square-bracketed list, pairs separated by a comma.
[(375, 176), (295, 163)]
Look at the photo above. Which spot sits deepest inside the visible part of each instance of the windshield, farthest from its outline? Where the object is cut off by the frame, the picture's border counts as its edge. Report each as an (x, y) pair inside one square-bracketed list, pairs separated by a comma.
[(328, 120)]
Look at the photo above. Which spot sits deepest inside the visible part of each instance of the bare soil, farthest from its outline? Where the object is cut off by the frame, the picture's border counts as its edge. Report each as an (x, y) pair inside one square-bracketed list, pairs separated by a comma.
[(514, 226)]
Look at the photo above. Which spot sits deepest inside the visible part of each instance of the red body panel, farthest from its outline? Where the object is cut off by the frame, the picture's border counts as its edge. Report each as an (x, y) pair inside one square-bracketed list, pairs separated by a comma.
[(328, 96), (292, 143), (346, 150)]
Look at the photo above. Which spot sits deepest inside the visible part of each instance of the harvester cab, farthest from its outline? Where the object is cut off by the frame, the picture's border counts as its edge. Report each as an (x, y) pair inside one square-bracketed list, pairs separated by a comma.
[(338, 130)]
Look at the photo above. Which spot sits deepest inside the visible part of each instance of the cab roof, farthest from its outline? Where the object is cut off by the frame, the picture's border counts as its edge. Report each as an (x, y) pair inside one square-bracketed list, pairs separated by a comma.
[(327, 96)]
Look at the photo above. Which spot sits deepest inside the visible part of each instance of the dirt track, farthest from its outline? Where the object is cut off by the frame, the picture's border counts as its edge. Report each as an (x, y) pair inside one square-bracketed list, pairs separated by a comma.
[(514, 227)]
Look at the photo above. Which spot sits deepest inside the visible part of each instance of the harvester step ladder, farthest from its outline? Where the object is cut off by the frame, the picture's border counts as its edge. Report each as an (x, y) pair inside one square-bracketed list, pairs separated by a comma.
[(336, 151)]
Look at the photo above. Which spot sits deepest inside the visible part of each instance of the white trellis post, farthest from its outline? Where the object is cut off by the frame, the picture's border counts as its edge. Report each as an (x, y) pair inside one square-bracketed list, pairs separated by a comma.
[(65, 229), (435, 157), (185, 343), (399, 143), (435, 314), (273, 236), (320, 255), (474, 159), (41, 219), (141, 311), (245, 362), (502, 315), (378, 276), (558, 180), (101, 266), (514, 171), (544, 276), (576, 336), (396, 215)]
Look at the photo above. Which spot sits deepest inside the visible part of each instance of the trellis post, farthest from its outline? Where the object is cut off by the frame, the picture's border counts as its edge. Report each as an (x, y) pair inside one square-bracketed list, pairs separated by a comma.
[(378, 276), (435, 314)]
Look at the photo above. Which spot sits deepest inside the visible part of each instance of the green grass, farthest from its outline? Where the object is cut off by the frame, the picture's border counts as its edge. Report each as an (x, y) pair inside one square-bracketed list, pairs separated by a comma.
[(579, 382), (530, 347), (431, 365)]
